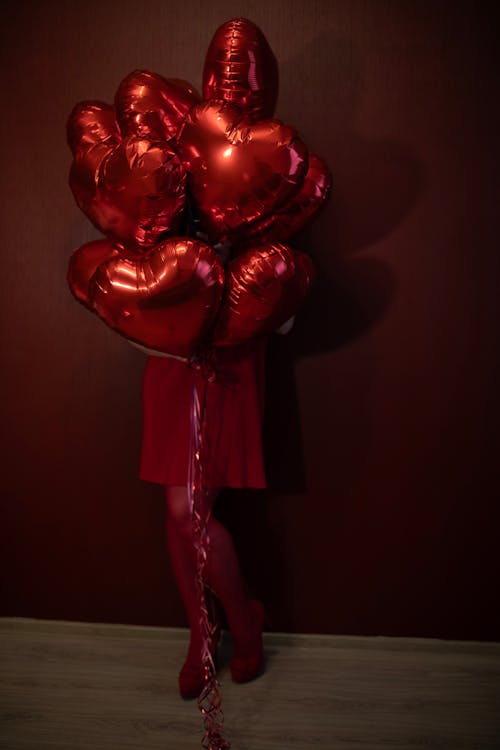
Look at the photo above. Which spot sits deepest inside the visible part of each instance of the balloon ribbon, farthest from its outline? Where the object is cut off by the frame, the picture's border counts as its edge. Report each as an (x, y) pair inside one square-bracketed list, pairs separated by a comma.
[(209, 700)]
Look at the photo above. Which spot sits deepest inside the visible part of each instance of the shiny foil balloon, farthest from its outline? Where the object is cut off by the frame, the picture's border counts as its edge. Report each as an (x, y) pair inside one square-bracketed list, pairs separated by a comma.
[(90, 124), (133, 190), (92, 133), (84, 262), (239, 172), (241, 69), (165, 299), (150, 106), (298, 212), (265, 286), (126, 176)]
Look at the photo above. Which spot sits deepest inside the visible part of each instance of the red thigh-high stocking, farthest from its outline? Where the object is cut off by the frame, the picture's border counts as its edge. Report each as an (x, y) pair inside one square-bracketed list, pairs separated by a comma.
[(223, 575)]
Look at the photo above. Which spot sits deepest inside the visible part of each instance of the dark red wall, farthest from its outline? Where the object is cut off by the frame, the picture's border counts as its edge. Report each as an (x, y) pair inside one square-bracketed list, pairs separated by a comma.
[(381, 433)]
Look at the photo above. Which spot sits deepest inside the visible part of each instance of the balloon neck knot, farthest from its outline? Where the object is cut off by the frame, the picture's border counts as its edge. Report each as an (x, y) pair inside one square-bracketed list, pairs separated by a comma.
[(205, 363)]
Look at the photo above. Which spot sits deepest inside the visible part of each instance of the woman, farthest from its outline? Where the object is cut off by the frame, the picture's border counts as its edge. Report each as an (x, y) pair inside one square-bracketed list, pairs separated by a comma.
[(234, 415)]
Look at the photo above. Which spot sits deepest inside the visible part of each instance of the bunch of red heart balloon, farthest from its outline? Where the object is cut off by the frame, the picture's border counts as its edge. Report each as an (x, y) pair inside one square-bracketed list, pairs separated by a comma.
[(195, 199)]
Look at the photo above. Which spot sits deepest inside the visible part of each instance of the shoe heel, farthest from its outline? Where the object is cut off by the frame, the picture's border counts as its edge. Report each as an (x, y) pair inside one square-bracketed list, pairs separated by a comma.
[(248, 659)]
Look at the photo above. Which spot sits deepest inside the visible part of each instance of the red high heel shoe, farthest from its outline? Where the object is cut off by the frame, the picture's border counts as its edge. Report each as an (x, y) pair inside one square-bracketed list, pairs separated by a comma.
[(191, 676), (248, 656)]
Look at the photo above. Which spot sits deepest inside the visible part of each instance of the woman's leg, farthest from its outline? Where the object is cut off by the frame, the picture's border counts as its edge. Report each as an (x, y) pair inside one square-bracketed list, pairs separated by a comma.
[(222, 572), (183, 560)]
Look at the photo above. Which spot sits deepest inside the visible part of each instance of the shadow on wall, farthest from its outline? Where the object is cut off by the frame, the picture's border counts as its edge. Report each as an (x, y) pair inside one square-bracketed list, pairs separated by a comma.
[(375, 183)]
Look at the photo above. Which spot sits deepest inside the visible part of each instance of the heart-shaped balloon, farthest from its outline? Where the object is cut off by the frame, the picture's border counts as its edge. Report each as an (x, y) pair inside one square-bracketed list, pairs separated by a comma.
[(133, 192), (92, 133), (132, 189), (239, 172), (241, 69), (84, 262), (298, 212), (126, 176), (165, 299), (150, 106), (265, 286)]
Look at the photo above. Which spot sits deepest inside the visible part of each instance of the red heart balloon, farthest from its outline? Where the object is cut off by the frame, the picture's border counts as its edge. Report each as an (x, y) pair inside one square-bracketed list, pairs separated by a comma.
[(265, 286), (150, 106), (125, 176), (240, 68), (298, 212), (84, 262), (132, 191), (92, 133), (239, 172), (165, 299)]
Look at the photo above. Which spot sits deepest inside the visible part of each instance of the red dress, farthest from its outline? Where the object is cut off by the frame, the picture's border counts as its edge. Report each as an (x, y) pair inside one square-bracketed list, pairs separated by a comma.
[(234, 416)]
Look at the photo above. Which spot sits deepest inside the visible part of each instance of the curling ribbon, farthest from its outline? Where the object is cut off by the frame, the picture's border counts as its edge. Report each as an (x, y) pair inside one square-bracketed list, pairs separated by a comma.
[(209, 700)]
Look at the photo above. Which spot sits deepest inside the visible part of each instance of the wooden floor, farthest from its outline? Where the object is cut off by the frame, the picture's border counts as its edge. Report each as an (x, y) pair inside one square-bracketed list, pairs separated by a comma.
[(66, 685)]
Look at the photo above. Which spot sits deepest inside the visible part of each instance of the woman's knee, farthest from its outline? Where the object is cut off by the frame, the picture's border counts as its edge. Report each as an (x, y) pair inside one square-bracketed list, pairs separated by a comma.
[(177, 506), (179, 509)]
